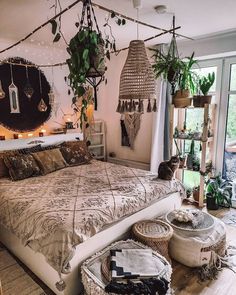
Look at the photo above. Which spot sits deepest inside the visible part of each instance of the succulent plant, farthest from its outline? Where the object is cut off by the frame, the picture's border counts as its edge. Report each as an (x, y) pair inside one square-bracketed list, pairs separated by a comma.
[(205, 83)]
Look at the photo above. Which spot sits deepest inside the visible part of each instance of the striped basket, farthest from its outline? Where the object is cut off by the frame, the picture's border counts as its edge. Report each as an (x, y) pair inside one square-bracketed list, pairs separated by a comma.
[(155, 234)]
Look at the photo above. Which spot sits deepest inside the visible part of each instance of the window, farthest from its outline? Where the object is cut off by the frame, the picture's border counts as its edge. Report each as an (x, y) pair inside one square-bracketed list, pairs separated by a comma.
[(229, 161)]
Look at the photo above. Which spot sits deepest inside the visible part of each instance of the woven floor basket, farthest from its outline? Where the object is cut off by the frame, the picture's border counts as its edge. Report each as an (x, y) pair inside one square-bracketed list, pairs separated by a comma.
[(155, 234)]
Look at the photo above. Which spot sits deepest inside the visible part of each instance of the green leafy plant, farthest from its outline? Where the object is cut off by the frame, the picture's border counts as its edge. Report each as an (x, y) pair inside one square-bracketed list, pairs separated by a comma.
[(187, 77), (85, 54), (206, 82), (220, 189)]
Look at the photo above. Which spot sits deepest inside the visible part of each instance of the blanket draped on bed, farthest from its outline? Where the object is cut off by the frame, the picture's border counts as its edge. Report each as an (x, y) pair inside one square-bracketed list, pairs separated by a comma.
[(54, 213)]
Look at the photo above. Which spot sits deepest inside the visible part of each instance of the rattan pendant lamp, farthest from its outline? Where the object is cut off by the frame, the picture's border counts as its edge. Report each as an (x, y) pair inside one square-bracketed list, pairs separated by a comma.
[(137, 81)]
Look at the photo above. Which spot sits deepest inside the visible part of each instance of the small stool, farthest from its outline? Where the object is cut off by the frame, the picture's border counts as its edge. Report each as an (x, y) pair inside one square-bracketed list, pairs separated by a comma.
[(196, 251), (92, 270), (154, 233)]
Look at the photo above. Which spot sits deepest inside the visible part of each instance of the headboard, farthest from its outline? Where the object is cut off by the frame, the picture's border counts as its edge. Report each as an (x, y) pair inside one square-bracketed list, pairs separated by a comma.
[(12, 144)]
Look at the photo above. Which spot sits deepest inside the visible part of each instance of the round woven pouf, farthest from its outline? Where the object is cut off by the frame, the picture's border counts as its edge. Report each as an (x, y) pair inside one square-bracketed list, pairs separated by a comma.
[(154, 233)]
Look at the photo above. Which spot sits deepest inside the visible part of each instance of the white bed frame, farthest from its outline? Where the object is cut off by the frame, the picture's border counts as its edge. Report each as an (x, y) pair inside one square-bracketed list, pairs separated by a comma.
[(37, 262)]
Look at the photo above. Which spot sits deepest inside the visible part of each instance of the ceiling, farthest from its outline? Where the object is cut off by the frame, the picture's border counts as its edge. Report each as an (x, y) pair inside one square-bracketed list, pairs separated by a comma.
[(196, 18)]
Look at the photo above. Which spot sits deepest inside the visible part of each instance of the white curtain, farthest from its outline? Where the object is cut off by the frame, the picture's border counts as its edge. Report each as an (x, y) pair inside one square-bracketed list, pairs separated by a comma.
[(157, 150)]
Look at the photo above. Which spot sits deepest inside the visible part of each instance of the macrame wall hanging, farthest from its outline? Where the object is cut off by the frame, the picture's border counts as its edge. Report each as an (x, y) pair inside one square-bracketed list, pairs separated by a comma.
[(130, 125)]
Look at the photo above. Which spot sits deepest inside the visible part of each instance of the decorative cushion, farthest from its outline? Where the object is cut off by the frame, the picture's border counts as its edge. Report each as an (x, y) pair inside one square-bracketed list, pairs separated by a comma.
[(3, 168), (29, 150), (49, 160), (21, 166), (75, 153), (51, 146)]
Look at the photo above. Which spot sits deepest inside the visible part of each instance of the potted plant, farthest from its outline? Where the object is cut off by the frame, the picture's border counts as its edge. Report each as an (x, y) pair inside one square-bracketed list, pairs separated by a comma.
[(196, 193), (182, 156), (218, 193), (204, 85), (192, 159), (185, 84)]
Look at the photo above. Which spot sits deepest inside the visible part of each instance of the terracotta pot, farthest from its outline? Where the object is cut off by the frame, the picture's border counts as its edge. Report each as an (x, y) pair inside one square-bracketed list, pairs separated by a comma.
[(197, 101), (196, 194), (206, 99), (201, 100)]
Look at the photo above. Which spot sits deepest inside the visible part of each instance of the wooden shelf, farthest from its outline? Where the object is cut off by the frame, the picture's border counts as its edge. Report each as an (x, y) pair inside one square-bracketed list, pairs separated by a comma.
[(96, 145), (177, 118), (209, 139)]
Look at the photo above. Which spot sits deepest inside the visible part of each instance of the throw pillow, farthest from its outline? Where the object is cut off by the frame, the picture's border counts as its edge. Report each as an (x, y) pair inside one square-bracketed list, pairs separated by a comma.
[(3, 168), (49, 160), (21, 166), (76, 153)]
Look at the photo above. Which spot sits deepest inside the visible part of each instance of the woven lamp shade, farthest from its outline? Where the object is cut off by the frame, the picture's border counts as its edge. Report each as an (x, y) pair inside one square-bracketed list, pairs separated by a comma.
[(137, 81)]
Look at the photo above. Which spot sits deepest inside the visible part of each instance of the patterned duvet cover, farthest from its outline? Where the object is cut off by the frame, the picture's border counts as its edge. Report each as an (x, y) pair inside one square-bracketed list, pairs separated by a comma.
[(54, 213)]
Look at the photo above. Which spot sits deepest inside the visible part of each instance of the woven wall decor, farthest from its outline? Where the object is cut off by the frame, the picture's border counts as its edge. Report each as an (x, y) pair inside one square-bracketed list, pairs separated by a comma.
[(137, 81)]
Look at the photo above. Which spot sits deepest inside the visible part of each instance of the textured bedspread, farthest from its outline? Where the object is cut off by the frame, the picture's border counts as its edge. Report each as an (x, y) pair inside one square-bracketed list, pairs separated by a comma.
[(54, 213)]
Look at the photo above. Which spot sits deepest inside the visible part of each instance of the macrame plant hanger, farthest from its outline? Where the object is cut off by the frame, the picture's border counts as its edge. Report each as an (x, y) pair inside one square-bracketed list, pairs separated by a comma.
[(94, 76), (173, 53)]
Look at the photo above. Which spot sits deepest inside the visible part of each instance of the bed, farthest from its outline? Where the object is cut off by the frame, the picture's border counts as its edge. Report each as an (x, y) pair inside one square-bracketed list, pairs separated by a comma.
[(54, 222)]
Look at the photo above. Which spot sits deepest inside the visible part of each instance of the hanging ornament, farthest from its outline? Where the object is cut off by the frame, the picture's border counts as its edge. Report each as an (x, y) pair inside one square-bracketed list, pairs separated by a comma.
[(51, 92), (51, 97), (28, 89), (13, 95), (137, 81), (2, 93), (42, 107)]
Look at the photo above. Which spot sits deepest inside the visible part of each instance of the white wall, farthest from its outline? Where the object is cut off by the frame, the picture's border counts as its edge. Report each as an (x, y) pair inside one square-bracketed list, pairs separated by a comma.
[(107, 104), (218, 45)]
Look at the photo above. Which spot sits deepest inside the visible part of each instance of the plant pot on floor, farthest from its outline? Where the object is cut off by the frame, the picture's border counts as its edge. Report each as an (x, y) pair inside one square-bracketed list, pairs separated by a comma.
[(196, 193), (211, 202), (181, 99), (201, 100)]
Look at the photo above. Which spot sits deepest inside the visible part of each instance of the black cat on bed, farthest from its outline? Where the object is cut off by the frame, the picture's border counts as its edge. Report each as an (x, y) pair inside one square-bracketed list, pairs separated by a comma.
[(167, 169)]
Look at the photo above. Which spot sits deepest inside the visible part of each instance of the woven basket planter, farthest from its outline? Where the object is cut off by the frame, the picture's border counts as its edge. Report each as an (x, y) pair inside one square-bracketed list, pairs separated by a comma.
[(154, 233)]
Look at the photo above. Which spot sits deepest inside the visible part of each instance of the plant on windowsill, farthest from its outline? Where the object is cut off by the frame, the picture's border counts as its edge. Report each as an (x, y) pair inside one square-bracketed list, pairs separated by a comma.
[(218, 193), (204, 84)]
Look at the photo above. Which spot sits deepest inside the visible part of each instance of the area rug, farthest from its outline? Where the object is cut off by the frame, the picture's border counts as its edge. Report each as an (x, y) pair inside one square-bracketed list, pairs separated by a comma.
[(14, 279), (229, 218)]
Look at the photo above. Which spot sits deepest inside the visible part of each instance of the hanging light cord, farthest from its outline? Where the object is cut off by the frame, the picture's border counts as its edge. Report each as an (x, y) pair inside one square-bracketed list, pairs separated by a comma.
[(137, 23)]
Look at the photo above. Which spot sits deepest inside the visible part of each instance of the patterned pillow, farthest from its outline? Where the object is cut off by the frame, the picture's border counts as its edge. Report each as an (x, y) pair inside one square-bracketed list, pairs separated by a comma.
[(21, 166), (51, 146), (49, 161), (3, 168), (76, 153), (29, 150), (74, 156)]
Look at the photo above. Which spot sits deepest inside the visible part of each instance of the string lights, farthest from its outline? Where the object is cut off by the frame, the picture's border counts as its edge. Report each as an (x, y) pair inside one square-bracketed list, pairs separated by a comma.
[(164, 31)]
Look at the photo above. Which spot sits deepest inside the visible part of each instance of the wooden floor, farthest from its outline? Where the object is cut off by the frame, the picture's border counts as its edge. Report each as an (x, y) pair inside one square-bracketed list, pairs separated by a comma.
[(185, 281)]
